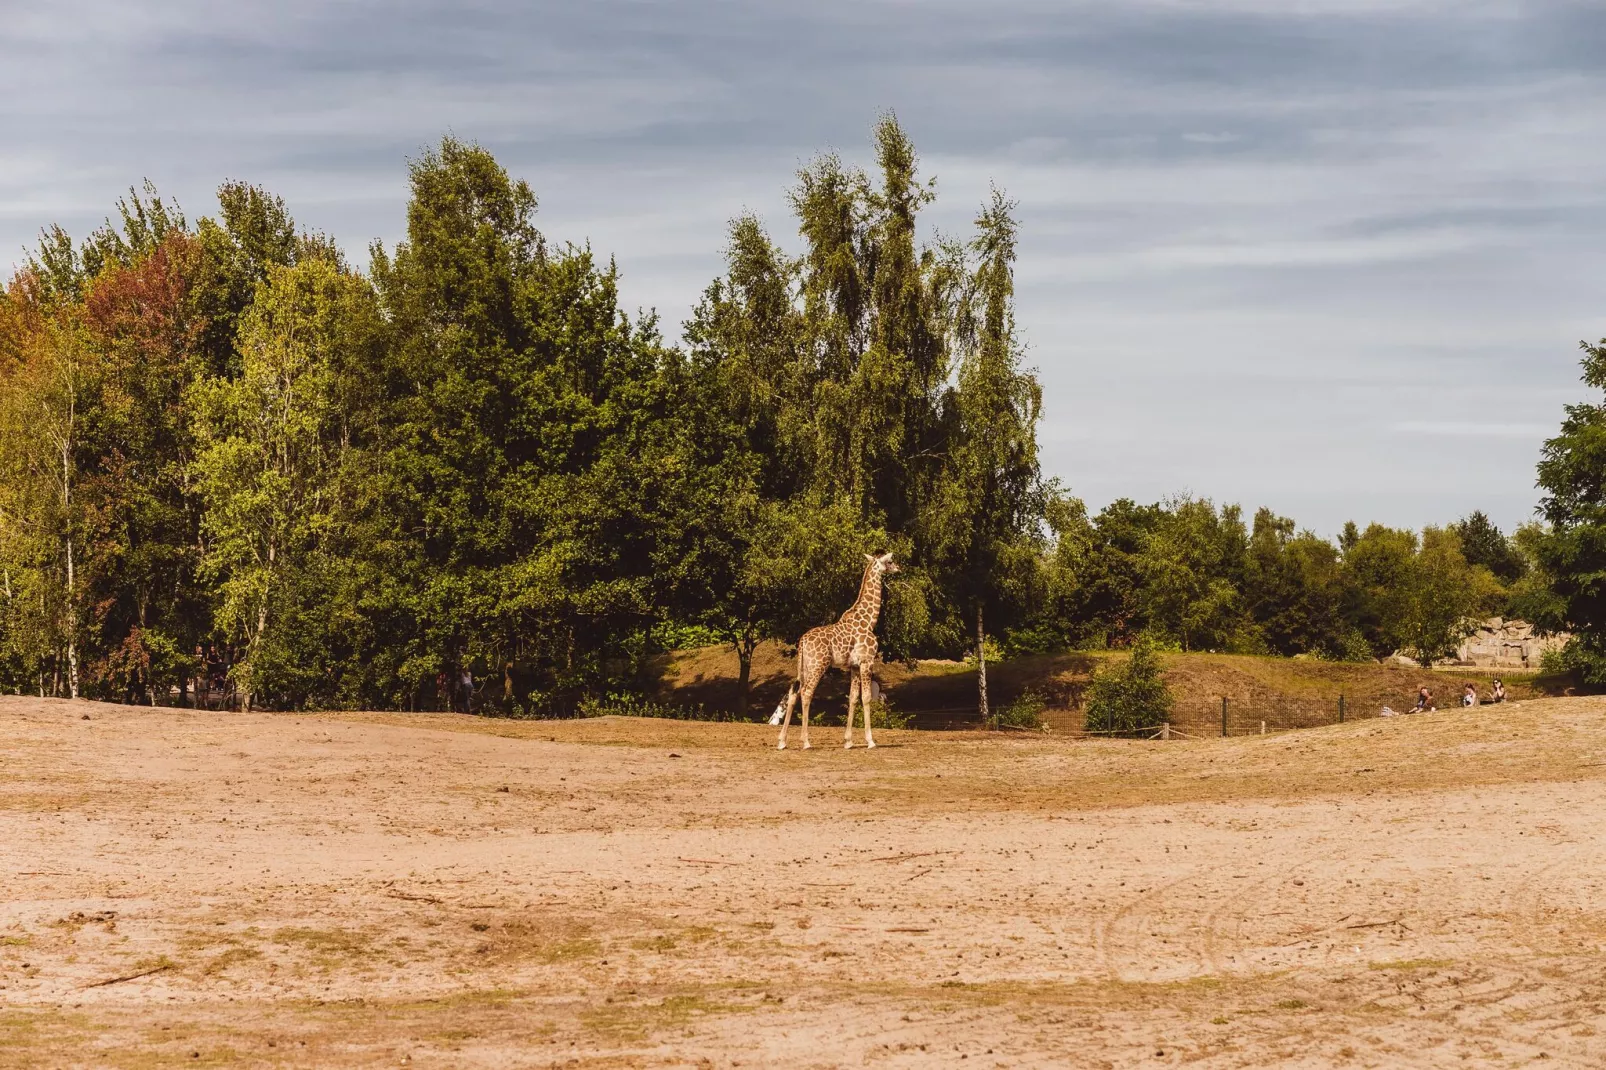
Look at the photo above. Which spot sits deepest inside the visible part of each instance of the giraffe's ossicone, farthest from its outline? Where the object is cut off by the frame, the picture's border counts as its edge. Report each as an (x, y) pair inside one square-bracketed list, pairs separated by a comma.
[(848, 644)]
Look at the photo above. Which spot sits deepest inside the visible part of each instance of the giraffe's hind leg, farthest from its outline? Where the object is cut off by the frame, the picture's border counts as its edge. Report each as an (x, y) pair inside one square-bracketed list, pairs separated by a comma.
[(864, 699), (786, 722), (808, 697), (853, 693)]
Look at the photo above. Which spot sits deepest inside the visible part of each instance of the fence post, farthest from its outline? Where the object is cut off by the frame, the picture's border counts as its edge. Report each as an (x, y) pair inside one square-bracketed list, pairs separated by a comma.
[(1224, 716), (1262, 727), (1165, 730), (1341, 707)]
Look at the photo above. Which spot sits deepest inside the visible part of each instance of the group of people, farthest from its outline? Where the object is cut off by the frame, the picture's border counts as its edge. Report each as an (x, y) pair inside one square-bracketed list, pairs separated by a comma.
[(456, 688), (1469, 697)]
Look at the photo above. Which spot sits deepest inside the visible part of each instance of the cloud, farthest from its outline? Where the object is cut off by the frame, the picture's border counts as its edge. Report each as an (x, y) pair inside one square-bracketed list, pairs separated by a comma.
[(1259, 236), (1475, 429)]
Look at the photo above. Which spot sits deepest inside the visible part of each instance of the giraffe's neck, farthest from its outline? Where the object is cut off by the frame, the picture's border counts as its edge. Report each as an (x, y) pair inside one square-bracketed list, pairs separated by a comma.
[(868, 604)]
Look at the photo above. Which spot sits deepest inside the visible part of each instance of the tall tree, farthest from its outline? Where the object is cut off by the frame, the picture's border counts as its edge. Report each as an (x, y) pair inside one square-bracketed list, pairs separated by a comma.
[(270, 454), (1483, 543), (520, 464), (1572, 473), (987, 520)]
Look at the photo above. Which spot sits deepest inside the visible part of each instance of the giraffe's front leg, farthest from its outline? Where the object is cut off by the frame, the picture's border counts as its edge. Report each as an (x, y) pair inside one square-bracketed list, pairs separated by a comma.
[(853, 693), (808, 697)]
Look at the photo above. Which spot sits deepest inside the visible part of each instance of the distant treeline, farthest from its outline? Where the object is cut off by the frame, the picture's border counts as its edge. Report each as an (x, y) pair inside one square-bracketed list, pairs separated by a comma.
[(221, 444)]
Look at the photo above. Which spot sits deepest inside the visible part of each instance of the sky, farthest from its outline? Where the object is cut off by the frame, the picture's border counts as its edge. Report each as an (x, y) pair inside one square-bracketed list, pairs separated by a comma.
[(1333, 257)]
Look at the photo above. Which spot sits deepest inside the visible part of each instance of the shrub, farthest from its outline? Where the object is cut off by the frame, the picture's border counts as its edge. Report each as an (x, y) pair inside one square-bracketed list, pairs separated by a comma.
[(1122, 700), (1025, 712), (884, 714), (624, 705)]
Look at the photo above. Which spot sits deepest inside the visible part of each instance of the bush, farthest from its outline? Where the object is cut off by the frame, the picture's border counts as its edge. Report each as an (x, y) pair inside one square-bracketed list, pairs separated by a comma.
[(1125, 699), (1579, 659), (1024, 712), (671, 636), (1351, 646), (884, 715), (619, 705)]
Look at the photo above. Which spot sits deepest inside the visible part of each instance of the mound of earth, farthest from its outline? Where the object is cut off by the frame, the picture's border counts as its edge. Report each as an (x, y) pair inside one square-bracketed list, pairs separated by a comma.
[(1283, 692)]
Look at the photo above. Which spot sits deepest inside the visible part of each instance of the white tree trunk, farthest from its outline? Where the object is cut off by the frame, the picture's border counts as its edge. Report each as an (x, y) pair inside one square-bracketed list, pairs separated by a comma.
[(72, 625), (72, 592), (981, 668)]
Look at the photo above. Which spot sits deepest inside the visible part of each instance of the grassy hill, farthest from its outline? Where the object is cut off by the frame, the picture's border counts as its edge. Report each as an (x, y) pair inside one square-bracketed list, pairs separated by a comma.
[(1283, 692)]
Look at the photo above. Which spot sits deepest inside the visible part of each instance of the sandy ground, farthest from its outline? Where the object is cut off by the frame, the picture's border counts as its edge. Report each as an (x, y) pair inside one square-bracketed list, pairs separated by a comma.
[(437, 891)]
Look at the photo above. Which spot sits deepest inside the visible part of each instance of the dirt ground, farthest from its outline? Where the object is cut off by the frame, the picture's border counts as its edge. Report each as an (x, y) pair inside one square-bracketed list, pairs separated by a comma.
[(354, 890)]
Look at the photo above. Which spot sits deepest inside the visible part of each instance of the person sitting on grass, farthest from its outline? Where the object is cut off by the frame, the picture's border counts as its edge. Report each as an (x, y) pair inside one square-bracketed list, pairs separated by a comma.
[(1424, 701), (1499, 692), (1469, 695)]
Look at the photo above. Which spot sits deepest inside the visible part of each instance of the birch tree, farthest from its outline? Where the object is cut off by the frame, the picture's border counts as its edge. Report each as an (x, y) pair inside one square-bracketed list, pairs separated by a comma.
[(269, 448)]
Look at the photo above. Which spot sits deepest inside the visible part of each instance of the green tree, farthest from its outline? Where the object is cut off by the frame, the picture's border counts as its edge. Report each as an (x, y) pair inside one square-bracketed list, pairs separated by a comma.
[(1295, 590), (1572, 473), (1436, 607), (45, 412), (1378, 569), (986, 522), (1131, 697), (269, 460), (1482, 543), (1192, 569), (524, 453)]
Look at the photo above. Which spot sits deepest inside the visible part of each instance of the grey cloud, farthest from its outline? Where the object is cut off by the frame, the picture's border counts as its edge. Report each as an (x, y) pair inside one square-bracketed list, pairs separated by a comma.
[(1261, 236)]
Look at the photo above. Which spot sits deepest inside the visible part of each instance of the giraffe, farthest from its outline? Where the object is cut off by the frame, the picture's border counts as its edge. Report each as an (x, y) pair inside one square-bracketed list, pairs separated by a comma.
[(848, 644)]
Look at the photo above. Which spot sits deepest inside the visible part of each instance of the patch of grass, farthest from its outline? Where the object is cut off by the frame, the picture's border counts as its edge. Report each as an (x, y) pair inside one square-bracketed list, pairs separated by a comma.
[(234, 956), (638, 1021), (1291, 1004), (1410, 964), (330, 940), (330, 948), (538, 940)]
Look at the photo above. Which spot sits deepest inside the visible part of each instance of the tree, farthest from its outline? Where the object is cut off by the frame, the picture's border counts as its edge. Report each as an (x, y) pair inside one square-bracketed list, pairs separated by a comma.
[(985, 531), (270, 452), (1572, 472), (524, 445), (1434, 609), (1295, 590), (1482, 543), (1377, 568), (1132, 697), (1192, 569)]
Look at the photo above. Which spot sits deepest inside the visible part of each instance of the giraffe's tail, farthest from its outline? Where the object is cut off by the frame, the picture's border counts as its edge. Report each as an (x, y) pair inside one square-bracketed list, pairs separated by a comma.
[(786, 702)]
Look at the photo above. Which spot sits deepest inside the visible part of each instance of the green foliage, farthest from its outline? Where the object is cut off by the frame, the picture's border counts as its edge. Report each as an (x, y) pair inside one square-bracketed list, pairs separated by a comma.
[(220, 444), (1436, 606), (626, 704), (270, 453), (1572, 552), (1482, 543), (1026, 711), (884, 714), (1131, 696)]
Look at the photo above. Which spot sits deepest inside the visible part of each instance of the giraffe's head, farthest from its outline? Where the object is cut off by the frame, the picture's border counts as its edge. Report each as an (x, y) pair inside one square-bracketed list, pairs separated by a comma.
[(882, 564)]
